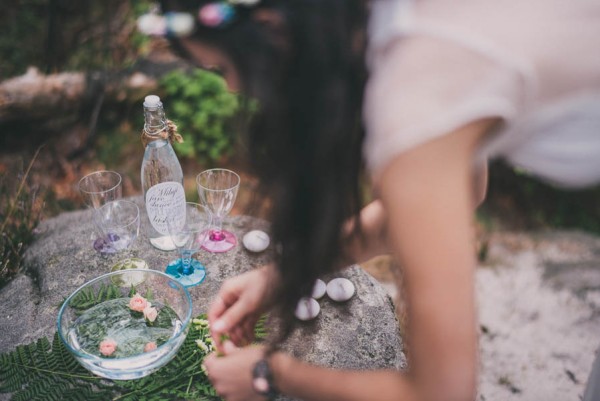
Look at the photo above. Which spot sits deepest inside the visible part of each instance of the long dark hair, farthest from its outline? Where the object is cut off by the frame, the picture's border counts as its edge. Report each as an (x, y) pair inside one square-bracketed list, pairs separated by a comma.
[(304, 143)]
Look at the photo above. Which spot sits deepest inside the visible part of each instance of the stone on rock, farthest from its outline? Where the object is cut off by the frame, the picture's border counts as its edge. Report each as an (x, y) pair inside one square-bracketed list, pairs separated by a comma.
[(340, 289), (319, 289), (256, 241)]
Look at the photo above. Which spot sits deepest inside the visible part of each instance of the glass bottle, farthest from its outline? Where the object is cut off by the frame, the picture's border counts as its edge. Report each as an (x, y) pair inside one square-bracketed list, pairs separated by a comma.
[(162, 177)]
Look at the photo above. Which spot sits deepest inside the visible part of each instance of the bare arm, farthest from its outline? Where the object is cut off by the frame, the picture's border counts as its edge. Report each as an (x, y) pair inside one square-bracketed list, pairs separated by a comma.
[(373, 220), (427, 194)]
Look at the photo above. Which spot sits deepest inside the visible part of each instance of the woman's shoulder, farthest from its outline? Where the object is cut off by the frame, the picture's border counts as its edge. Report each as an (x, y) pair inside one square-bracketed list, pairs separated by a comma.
[(440, 66)]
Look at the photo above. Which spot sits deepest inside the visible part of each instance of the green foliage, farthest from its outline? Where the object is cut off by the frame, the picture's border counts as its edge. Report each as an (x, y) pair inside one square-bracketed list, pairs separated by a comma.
[(58, 35), (88, 298), (203, 109), (520, 201), (23, 30), (20, 211), (40, 371)]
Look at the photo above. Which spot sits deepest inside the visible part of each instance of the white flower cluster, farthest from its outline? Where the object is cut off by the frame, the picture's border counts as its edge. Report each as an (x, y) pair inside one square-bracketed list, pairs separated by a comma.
[(200, 323), (206, 344), (174, 23)]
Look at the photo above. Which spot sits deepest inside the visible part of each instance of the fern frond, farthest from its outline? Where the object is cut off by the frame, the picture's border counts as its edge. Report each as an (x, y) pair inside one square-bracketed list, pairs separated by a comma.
[(47, 371), (87, 298)]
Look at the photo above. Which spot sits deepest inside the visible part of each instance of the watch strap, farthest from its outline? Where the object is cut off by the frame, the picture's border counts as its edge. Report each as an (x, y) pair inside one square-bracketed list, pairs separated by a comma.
[(262, 379)]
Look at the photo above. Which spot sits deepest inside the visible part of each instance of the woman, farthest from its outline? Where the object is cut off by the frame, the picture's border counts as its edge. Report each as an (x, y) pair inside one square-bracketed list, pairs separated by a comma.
[(450, 84)]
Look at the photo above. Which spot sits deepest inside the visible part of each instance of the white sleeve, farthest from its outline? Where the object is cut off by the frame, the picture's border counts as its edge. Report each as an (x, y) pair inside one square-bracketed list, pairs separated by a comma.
[(422, 88)]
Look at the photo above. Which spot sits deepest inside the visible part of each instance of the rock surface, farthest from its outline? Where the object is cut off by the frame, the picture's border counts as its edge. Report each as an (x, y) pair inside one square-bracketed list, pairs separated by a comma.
[(538, 297), (539, 313), (361, 333)]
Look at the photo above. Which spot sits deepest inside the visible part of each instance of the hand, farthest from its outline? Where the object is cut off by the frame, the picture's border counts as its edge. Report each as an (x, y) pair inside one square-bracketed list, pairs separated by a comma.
[(239, 304), (231, 373)]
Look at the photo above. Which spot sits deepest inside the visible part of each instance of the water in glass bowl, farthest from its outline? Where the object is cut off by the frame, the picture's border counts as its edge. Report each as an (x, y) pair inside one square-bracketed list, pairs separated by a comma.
[(112, 329)]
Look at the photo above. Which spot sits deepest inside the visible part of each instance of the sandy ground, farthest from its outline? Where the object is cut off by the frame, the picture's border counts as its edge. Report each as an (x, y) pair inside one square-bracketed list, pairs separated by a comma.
[(539, 313)]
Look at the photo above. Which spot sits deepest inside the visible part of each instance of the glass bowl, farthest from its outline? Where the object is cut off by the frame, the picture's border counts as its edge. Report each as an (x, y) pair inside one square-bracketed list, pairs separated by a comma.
[(126, 324)]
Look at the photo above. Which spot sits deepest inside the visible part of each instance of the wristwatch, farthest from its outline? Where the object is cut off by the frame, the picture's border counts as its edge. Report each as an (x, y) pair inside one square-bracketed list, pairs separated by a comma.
[(262, 379)]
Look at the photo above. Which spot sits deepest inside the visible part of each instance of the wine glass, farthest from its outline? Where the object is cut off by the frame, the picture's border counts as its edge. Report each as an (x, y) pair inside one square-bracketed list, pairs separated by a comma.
[(218, 189), (188, 232), (119, 221), (97, 189)]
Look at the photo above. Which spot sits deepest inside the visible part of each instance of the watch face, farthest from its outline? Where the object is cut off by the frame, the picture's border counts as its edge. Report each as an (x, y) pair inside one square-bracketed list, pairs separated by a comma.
[(261, 385)]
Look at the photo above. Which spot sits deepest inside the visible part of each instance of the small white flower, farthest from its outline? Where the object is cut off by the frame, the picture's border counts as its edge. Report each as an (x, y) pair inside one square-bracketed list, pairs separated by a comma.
[(200, 322), (152, 24), (202, 345)]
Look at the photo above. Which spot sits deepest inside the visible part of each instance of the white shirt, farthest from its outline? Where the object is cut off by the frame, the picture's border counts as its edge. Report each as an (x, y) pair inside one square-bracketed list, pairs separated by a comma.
[(437, 65)]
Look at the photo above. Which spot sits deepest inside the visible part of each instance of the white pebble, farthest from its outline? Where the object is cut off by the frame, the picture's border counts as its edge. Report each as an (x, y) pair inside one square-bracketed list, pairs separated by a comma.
[(319, 289), (307, 309), (256, 241), (340, 289)]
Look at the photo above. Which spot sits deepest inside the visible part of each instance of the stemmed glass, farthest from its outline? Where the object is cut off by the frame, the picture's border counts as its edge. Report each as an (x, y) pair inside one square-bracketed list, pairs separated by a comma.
[(97, 189), (218, 189), (188, 233), (119, 221)]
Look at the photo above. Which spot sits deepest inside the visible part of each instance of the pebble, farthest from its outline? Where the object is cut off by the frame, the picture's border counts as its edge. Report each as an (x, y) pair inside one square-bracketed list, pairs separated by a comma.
[(256, 240), (340, 289), (319, 289), (307, 309)]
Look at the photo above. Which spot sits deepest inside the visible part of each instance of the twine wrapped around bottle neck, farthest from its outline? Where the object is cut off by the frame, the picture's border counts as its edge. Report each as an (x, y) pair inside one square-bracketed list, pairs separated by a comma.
[(170, 133)]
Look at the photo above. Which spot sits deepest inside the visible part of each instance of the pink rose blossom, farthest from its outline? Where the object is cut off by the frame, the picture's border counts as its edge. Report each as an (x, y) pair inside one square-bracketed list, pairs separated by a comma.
[(150, 313), (108, 347), (151, 346), (210, 15), (138, 303)]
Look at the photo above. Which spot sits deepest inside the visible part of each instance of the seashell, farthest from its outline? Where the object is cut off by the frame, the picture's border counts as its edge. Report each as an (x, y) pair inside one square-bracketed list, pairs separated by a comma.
[(307, 309), (340, 289), (319, 289)]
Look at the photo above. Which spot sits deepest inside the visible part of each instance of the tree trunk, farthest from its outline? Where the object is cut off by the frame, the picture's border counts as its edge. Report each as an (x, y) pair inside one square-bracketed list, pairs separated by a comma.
[(37, 96)]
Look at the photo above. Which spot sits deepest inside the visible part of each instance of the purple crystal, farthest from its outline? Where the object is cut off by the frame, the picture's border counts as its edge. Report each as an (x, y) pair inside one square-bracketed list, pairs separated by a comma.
[(112, 237), (105, 247), (99, 244)]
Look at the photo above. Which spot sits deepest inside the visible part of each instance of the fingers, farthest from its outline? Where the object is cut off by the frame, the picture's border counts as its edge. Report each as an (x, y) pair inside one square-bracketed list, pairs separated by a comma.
[(231, 317), (209, 363), (228, 295), (248, 329), (229, 347), (216, 309), (243, 333)]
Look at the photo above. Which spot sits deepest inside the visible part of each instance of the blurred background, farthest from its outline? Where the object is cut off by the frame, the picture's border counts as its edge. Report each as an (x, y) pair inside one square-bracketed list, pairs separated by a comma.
[(73, 76)]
